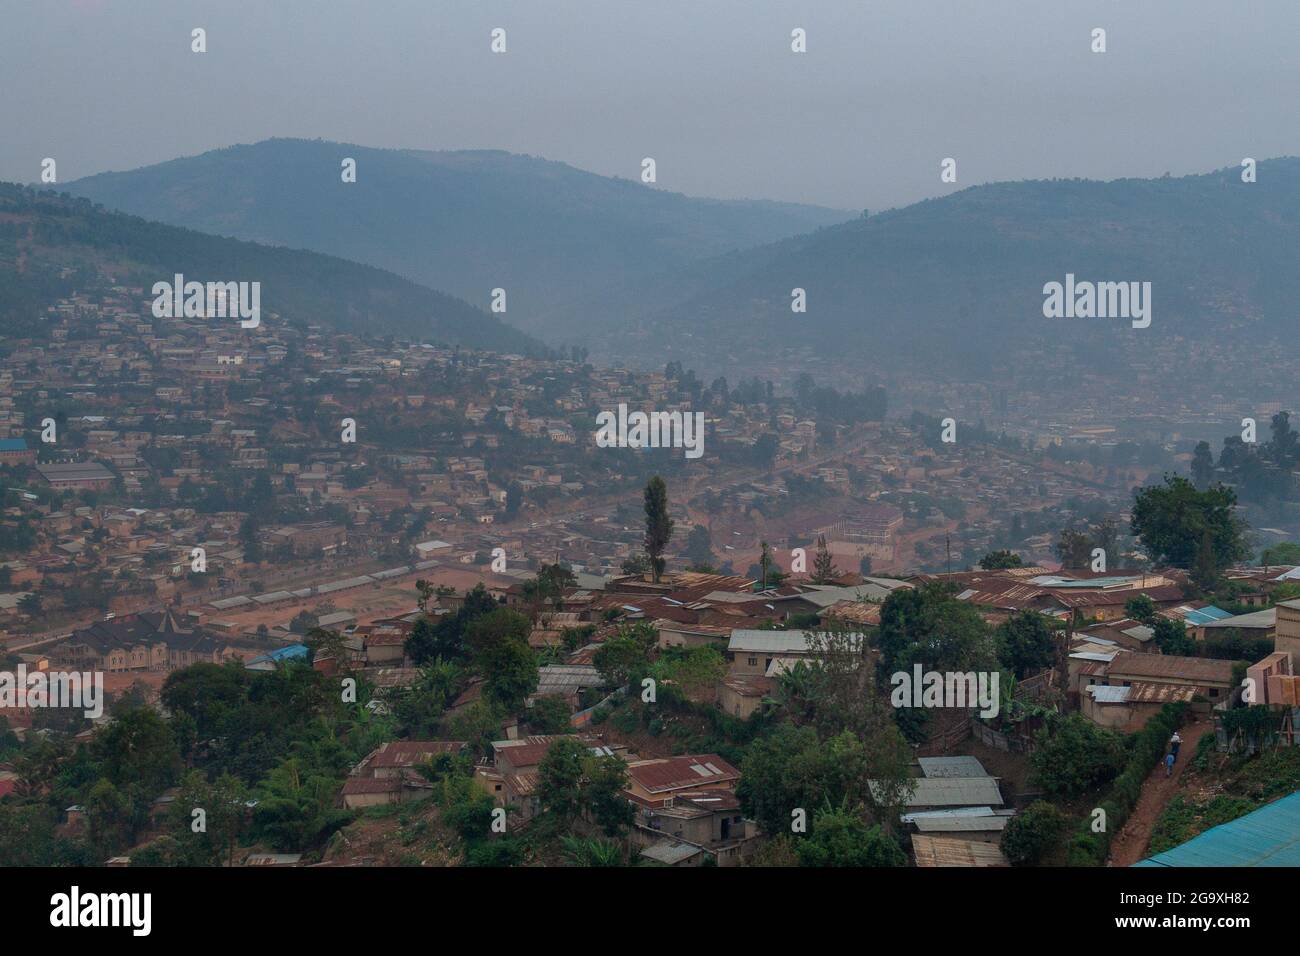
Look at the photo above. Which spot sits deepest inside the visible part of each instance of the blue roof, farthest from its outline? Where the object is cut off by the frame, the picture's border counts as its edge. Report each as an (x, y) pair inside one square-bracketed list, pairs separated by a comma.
[(1268, 837), (1204, 615), (1059, 582), (13, 444), (282, 654)]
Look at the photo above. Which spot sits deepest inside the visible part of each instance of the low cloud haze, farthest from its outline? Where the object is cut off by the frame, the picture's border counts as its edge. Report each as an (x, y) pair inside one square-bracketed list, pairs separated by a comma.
[(711, 91)]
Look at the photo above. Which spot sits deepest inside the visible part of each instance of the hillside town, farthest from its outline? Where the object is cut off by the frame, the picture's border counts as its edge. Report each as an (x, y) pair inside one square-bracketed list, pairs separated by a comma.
[(367, 601)]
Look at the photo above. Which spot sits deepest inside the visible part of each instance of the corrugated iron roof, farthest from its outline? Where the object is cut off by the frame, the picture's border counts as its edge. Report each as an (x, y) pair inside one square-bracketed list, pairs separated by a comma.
[(960, 766), (950, 851), (1268, 837), (1188, 670), (951, 792), (676, 773), (1106, 694)]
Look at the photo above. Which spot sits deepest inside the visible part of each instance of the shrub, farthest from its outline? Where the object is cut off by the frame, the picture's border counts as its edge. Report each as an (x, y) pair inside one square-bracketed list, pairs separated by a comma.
[(1145, 749), (1034, 834), (627, 720)]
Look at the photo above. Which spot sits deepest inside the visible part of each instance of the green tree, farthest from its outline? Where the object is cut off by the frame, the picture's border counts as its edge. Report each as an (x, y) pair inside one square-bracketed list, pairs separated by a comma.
[(1075, 757), (690, 670), (138, 752), (1172, 637), (1285, 552), (499, 644), (791, 769), (699, 546), (549, 715), (929, 626), (445, 637), (323, 642), (425, 590), (560, 778), (582, 851), (1172, 521), (1033, 834), (550, 583), (418, 709), (1140, 608), (224, 804), (658, 524), (841, 837), (112, 818), (1000, 560), (1205, 572), (1026, 643), (1073, 548), (604, 778), (619, 659), (164, 851), (765, 562), (1202, 465), (571, 781), (303, 622), (514, 500), (637, 565), (824, 570)]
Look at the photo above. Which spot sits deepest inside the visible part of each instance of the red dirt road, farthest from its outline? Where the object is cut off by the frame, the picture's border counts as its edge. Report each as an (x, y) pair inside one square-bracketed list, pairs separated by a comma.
[(1131, 843)]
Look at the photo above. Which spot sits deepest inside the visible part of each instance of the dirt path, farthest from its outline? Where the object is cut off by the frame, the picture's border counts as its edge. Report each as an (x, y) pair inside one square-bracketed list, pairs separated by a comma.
[(1131, 843)]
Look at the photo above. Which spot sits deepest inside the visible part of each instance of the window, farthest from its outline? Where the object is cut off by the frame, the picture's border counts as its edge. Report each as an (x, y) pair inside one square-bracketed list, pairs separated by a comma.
[(753, 662)]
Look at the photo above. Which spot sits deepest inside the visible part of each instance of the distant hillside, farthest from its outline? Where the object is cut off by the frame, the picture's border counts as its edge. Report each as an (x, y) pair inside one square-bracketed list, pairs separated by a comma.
[(48, 242), (958, 278), (466, 221)]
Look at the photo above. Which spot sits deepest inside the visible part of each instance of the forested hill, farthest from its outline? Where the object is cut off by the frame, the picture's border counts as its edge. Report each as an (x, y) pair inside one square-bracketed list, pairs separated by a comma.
[(466, 221), (52, 244), (959, 278)]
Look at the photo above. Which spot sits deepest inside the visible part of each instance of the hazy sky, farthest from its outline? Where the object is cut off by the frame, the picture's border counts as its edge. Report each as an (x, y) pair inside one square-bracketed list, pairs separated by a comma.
[(709, 88)]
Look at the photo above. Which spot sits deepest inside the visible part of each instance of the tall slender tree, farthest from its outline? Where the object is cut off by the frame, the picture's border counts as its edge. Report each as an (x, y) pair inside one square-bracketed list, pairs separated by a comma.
[(765, 561), (658, 525), (824, 570)]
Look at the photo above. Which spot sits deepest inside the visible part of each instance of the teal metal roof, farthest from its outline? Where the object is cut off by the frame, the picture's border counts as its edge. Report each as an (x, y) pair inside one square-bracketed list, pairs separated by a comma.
[(1268, 837), (1204, 615), (1056, 581)]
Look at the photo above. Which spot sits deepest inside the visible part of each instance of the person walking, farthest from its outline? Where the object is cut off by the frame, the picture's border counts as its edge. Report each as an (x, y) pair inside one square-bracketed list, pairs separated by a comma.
[(1174, 743), (1169, 765)]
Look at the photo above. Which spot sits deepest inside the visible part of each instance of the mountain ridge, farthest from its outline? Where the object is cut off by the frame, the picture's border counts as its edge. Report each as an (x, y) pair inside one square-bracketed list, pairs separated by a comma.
[(47, 233), (464, 221)]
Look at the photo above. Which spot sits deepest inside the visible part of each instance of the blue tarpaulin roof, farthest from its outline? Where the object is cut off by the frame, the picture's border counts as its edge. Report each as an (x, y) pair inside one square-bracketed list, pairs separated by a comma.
[(282, 654), (1268, 837)]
